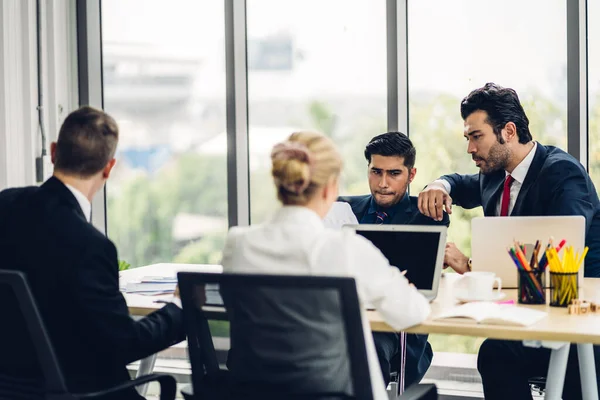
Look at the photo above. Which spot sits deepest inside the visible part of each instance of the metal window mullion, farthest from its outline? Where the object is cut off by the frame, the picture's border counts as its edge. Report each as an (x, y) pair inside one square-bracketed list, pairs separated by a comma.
[(238, 176), (577, 88), (397, 64), (89, 68)]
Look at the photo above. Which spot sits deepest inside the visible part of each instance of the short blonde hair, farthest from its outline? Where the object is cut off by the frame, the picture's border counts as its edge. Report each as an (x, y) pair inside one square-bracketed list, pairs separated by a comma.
[(305, 162)]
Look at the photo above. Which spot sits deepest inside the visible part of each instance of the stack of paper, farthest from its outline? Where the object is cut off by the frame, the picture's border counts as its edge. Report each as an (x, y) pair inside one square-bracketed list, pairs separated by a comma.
[(152, 285)]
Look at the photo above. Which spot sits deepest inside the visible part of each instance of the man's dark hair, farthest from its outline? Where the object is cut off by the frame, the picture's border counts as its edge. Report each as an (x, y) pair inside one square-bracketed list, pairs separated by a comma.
[(392, 144), (87, 141), (502, 106)]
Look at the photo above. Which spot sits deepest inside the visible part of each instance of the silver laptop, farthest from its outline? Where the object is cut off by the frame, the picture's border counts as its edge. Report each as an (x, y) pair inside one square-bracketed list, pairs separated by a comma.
[(491, 236), (416, 249)]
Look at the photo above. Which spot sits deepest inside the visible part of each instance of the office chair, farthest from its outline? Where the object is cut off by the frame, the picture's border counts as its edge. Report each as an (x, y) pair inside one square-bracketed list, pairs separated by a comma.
[(20, 317), (282, 324)]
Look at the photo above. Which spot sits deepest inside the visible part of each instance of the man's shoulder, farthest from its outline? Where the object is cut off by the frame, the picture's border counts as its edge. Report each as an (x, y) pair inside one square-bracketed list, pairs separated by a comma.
[(16, 203), (352, 200), (13, 194), (359, 204), (558, 159), (60, 229), (43, 209)]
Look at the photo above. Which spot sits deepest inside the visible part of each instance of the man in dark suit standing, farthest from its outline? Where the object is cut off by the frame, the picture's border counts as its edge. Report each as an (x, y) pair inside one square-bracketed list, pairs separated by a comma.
[(391, 160), (518, 177), (72, 268)]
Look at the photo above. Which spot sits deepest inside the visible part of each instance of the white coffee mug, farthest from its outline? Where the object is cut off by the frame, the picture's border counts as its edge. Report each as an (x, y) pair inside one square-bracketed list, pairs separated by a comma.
[(479, 284)]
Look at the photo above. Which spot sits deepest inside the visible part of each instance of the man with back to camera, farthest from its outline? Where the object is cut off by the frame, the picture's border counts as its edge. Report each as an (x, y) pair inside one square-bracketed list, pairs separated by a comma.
[(72, 268), (518, 177), (391, 159)]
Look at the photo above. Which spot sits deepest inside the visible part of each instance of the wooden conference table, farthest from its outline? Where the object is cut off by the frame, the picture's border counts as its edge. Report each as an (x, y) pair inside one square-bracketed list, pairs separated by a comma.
[(555, 331)]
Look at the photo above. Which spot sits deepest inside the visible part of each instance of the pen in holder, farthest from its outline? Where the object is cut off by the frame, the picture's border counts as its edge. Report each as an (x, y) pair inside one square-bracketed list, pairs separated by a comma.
[(564, 281), (563, 272), (564, 287), (531, 286)]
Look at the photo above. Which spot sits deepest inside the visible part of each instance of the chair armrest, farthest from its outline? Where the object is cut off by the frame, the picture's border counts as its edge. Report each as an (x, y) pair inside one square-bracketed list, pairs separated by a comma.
[(168, 387), (425, 391)]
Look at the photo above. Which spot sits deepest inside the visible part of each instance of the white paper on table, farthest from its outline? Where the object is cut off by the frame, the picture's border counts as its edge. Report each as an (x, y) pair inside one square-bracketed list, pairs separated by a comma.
[(339, 215)]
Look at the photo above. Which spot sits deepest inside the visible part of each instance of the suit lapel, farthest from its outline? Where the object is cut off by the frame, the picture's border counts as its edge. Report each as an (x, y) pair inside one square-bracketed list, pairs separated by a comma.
[(404, 212), (360, 207), (536, 164), (491, 193)]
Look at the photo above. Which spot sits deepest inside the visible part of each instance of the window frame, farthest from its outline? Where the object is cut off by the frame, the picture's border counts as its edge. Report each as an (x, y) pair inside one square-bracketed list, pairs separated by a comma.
[(89, 63)]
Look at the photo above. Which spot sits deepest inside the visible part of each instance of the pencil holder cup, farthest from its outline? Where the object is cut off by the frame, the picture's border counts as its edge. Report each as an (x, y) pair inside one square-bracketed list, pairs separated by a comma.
[(531, 287), (564, 287)]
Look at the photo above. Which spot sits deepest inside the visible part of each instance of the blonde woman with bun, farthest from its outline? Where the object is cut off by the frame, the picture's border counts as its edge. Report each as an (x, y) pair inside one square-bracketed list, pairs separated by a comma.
[(306, 169)]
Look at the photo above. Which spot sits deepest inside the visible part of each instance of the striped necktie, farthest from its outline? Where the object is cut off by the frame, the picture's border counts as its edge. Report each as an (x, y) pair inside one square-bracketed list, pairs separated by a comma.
[(381, 216)]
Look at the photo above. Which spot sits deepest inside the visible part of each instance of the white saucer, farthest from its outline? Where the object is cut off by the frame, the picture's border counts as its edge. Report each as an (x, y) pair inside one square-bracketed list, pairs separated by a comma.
[(464, 297)]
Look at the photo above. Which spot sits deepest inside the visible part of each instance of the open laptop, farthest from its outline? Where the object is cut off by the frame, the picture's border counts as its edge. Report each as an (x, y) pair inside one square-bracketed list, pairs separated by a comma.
[(491, 236), (416, 249)]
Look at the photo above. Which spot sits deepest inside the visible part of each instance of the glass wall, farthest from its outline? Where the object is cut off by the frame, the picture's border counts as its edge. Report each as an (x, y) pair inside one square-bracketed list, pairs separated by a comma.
[(164, 82), (473, 43), (314, 65)]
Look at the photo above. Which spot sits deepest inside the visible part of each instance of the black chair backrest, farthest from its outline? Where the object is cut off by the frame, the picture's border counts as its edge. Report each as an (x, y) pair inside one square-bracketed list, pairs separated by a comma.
[(21, 317), (283, 328)]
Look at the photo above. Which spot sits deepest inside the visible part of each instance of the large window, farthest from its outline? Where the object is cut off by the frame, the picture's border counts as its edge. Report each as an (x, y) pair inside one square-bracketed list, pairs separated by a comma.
[(318, 65), (164, 82), (455, 47), (594, 89)]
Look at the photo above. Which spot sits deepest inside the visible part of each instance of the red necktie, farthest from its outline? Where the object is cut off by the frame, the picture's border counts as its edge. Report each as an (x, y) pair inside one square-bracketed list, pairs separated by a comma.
[(506, 196)]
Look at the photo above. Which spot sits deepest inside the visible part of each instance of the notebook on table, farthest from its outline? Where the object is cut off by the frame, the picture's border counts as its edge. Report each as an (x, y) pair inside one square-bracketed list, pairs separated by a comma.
[(416, 249), (491, 314)]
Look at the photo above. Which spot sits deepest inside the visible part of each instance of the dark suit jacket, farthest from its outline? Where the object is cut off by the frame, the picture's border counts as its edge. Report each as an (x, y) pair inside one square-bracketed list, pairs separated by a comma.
[(418, 350), (72, 270), (408, 214), (556, 184)]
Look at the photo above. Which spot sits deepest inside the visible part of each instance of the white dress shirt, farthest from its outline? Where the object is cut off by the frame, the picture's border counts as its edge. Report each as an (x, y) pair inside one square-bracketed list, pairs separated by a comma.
[(518, 174), (296, 242), (83, 201), (339, 215)]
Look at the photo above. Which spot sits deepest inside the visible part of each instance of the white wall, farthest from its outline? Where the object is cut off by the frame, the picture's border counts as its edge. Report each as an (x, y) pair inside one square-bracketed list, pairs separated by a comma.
[(20, 136), (60, 62), (18, 92)]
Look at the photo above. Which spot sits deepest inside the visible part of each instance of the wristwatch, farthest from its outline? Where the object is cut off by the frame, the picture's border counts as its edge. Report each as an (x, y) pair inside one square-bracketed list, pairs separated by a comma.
[(469, 265)]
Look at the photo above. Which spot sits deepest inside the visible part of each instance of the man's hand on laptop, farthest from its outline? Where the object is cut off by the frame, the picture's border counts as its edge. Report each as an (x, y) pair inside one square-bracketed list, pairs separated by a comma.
[(433, 200), (455, 259)]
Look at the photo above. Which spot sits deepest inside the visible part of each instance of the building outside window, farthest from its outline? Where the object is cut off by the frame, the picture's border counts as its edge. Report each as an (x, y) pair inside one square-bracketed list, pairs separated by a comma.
[(317, 65)]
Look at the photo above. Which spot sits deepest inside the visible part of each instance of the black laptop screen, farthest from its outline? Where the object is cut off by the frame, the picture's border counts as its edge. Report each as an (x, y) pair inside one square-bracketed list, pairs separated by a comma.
[(413, 252)]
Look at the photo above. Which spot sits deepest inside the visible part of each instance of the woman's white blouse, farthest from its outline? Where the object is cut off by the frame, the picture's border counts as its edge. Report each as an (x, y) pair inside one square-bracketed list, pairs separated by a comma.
[(296, 242)]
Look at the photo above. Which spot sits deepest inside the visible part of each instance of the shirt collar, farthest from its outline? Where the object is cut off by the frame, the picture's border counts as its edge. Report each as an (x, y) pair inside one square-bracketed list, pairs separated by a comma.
[(298, 214), (520, 171), (373, 207), (84, 203)]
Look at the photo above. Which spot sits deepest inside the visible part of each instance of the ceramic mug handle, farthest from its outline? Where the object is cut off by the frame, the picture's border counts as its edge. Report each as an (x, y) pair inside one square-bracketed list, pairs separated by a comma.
[(499, 281)]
